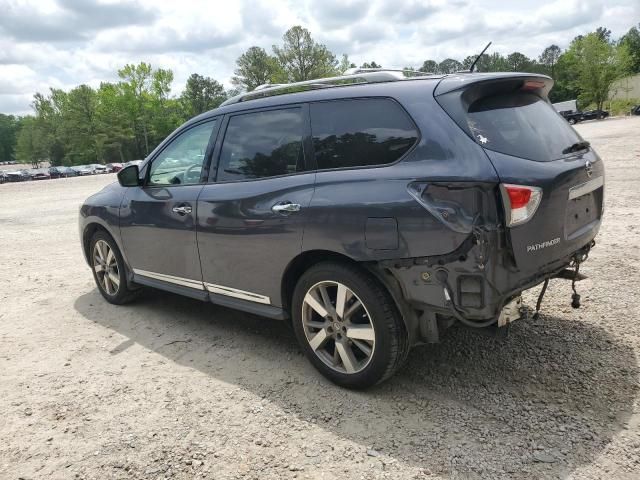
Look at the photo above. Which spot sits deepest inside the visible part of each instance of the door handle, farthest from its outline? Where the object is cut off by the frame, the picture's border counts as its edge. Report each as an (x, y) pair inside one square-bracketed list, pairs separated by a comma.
[(284, 208), (182, 209)]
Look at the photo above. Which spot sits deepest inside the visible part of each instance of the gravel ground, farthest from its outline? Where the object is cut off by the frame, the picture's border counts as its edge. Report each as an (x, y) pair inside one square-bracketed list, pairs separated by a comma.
[(172, 388)]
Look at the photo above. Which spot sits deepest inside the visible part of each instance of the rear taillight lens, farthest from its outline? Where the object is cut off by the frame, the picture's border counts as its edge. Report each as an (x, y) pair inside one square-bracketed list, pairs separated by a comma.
[(520, 202)]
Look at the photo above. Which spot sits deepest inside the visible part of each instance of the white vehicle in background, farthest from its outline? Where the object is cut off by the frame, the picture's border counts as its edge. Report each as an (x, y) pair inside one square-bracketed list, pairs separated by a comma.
[(570, 106)]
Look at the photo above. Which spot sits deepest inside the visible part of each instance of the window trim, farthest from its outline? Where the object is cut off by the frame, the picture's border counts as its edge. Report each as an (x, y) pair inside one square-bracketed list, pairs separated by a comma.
[(206, 163), (307, 156), (361, 167)]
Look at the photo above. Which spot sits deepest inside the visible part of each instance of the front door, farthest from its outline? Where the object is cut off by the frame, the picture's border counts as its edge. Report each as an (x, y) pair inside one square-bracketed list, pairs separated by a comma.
[(157, 220), (251, 219)]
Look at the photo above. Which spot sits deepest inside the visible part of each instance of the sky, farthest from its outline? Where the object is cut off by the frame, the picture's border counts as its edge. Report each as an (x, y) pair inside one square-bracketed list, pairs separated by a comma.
[(64, 43)]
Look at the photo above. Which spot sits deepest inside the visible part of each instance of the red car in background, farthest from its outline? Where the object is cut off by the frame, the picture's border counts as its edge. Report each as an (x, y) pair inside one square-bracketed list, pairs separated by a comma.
[(114, 167)]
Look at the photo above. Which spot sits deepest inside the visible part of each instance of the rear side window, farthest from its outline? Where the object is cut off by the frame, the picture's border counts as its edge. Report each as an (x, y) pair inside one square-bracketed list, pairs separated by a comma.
[(262, 144), (362, 132), (522, 125)]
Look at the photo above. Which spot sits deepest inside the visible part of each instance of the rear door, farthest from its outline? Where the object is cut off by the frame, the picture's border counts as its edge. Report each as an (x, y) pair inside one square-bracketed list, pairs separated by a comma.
[(252, 215), (530, 144)]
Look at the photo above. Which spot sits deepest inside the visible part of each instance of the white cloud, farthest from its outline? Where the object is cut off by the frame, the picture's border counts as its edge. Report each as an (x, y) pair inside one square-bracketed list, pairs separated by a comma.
[(63, 43)]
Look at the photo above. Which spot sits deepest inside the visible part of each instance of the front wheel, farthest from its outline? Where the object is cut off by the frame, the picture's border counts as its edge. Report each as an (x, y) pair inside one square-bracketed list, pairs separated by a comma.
[(109, 269), (348, 325)]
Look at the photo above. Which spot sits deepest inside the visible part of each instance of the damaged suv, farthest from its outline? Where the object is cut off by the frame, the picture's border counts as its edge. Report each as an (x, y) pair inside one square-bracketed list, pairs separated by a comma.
[(372, 211)]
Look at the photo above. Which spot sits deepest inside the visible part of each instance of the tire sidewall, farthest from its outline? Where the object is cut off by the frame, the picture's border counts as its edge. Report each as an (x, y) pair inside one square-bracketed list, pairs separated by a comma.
[(377, 366)]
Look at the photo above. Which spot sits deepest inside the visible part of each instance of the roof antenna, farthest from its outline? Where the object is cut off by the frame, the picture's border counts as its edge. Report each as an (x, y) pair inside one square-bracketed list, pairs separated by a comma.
[(473, 65)]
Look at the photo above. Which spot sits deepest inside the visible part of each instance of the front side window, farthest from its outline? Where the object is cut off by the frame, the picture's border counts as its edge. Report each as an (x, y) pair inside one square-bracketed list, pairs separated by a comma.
[(360, 132), (262, 144), (181, 162)]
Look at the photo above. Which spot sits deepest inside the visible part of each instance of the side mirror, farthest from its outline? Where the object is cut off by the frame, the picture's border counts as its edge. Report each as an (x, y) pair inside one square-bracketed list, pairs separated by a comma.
[(129, 176)]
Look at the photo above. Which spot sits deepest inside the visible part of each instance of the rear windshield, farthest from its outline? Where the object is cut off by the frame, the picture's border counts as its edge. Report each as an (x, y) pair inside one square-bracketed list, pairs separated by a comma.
[(522, 125)]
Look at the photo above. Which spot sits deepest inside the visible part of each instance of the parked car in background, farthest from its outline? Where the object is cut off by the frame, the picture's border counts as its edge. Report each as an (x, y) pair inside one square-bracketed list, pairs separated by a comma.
[(371, 216), (40, 174), (595, 115), (83, 170), (18, 176), (62, 172), (98, 168), (132, 162), (114, 167), (3, 177), (635, 110)]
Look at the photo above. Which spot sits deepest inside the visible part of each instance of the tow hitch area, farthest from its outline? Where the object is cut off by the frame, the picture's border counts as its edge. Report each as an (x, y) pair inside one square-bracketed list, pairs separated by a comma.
[(511, 312)]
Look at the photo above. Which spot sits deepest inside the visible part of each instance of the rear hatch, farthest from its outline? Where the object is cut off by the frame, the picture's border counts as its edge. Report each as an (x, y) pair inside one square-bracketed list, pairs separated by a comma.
[(530, 144)]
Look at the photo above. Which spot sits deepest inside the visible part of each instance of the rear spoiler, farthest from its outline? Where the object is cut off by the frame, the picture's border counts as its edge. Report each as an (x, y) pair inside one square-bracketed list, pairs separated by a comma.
[(494, 83)]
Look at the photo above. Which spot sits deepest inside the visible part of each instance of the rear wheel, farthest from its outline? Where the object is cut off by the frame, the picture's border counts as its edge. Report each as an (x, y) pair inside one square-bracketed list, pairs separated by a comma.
[(348, 325), (109, 269)]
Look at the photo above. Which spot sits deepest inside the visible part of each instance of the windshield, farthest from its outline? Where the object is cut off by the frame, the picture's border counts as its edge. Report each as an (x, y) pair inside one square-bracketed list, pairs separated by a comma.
[(522, 125)]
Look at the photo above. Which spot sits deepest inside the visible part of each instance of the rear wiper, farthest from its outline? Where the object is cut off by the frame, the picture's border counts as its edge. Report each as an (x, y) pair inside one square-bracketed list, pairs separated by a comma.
[(576, 147)]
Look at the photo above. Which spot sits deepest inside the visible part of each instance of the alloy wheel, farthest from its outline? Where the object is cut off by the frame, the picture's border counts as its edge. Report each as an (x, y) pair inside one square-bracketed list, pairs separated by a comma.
[(338, 327), (105, 265)]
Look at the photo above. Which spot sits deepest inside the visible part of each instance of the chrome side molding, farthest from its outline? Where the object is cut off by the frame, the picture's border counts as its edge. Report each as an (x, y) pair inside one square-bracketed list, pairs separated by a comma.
[(233, 292), (210, 287)]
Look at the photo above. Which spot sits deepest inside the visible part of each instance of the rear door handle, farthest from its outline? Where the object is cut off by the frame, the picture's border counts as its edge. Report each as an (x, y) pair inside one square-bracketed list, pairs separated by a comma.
[(284, 208), (182, 209)]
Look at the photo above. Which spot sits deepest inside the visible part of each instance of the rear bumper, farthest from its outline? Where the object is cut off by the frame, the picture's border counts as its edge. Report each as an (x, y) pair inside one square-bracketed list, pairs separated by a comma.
[(477, 293)]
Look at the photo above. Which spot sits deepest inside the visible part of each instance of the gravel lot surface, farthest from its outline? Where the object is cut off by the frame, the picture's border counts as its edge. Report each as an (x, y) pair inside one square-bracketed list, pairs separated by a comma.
[(173, 388)]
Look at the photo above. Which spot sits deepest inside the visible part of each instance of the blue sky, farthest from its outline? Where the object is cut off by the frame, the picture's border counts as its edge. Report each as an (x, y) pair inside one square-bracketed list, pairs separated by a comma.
[(63, 43)]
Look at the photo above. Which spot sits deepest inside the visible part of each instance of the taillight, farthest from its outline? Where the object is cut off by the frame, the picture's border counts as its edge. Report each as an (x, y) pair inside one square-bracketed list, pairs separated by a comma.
[(520, 202)]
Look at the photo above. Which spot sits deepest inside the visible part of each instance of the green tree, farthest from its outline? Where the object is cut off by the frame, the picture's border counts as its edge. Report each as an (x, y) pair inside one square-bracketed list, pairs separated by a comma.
[(631, 41), (302, 58), (449, 65), (255, 67), (345, 64), (81, 128), (597, 63), (30, 147), (370, 65), (429, 66), (201, 94), (518, 62), (549, 58), (9, 126)]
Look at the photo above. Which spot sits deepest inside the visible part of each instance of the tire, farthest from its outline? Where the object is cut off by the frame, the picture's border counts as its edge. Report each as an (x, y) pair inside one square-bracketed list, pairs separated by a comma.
[(114, 289), (572, 121), (337, 344)]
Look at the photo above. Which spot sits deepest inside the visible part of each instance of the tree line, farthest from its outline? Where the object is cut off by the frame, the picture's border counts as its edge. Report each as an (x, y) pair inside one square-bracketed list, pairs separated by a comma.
[(125, 120)]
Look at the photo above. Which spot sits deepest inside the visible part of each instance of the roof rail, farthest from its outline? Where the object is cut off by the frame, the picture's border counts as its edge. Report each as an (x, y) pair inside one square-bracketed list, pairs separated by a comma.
[(352, 77)]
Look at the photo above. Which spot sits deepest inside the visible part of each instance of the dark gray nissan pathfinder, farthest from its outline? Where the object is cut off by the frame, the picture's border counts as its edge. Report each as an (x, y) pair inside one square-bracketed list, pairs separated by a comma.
[(372, 211)]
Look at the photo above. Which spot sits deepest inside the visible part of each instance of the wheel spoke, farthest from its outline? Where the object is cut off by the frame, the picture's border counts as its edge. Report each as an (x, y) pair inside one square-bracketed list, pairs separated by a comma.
[(98, 268), (114, 279), (352, 309), (100, 249), (110, 257), (341, 300), (346, 355), (361, 332), (313, 324), (107, 283), (318, 340), (363, 347), (327, 301), (310, 300)]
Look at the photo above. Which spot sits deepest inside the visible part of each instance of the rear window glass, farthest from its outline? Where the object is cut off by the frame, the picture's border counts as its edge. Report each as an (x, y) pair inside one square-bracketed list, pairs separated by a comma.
[(360, 132), (522, 125)]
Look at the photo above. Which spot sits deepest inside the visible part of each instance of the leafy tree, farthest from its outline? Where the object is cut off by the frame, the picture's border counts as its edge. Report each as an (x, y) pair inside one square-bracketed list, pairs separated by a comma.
[(345, 64), (370, 65), (429, 66), (9, 126), (30, 147), (597, 63), (518, 62), (449, 65), (201, 94), (255, 67), (302, 58), (549, 58), (631, 41)]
